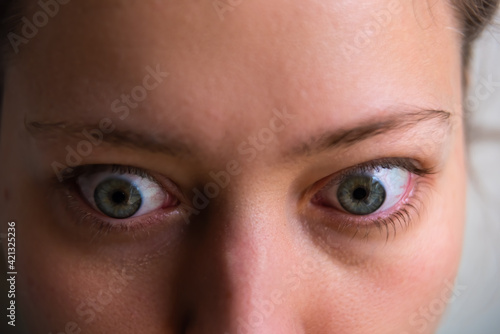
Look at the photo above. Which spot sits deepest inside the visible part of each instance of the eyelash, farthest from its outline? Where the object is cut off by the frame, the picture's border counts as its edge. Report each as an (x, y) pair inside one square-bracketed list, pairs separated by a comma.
[(85, 215), (404, 163), (402, 217)]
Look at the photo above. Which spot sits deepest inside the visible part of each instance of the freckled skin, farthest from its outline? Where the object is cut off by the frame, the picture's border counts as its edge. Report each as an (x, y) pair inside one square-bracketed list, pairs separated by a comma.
[(259, 258)]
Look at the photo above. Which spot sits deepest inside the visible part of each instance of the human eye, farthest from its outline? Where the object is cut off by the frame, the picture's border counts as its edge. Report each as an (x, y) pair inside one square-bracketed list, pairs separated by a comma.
[(116, 197), (377, 194)]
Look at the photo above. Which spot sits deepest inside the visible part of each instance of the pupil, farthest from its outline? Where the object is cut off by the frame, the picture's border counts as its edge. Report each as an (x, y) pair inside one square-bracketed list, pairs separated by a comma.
[(359, 194), (119, 197)]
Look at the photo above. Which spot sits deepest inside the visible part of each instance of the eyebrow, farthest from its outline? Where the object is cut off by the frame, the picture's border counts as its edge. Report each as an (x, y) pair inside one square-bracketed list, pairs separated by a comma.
[(118, 137), (371, 128), (174, 147)]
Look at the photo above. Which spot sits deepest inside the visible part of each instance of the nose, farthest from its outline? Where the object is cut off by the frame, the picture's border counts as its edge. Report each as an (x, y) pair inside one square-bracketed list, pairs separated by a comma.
[(242, 275)]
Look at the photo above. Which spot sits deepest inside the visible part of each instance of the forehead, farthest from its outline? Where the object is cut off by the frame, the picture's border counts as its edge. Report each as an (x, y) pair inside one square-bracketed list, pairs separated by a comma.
[(330, 63)]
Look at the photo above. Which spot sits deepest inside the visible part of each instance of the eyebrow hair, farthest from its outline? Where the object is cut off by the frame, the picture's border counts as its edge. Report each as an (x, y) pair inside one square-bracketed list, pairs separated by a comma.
[(369, 129), (176, 148), (118, 137)]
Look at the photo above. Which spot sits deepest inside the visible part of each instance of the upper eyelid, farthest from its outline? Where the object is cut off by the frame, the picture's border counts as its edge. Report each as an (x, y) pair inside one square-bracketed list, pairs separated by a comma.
[(405, 163), (71, 174), (167, 184), (395, 162)]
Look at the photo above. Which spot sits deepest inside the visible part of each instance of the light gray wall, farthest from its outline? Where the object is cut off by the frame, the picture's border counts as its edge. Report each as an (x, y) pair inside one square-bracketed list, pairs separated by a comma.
[(477, 309)]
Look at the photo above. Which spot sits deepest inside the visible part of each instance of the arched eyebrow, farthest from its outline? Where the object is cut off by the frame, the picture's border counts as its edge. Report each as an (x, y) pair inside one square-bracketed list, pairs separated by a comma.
[(344, 138), (176, 147)]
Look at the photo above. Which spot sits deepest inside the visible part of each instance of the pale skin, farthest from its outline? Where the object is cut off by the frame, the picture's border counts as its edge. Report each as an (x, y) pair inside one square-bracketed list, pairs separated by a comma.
[(263, 256)]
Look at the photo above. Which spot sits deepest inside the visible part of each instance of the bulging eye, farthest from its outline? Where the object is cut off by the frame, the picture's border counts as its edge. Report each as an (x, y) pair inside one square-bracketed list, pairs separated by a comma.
[(366, 192), (121, 195)]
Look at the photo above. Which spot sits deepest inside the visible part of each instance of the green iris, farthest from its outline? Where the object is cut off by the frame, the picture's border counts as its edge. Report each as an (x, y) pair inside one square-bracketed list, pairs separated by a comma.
[(361, 194), (117, 198)]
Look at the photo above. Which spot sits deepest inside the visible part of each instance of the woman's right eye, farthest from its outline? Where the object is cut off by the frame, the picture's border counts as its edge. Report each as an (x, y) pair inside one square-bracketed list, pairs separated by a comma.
[(120, 193)]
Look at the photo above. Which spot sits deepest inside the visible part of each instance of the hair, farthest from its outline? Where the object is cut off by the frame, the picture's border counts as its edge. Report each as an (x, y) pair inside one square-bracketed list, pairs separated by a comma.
[(472, 15)]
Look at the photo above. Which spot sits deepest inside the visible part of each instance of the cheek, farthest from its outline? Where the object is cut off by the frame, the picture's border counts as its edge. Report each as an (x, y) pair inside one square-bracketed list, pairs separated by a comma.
[(62, 285), (44, 267), (407, 283), (52, 280)]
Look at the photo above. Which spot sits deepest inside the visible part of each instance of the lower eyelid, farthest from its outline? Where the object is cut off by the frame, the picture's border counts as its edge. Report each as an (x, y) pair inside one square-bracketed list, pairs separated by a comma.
[(83, 217), (387, 222)]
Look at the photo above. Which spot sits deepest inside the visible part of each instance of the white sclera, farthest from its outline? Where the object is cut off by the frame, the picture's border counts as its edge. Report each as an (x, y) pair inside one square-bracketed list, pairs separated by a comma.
[(152, 194), (394, 180)]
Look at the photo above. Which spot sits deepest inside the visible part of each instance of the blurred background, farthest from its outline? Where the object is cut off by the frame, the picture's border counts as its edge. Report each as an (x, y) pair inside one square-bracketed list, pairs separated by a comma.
[(477, 309)]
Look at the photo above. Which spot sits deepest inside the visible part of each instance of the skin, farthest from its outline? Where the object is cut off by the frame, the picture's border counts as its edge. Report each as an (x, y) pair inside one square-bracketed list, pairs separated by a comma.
[(260, 258)]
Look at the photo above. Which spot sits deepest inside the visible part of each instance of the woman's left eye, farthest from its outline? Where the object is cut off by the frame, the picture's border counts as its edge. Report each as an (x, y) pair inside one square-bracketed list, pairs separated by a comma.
[(366, 192), (122, 194)]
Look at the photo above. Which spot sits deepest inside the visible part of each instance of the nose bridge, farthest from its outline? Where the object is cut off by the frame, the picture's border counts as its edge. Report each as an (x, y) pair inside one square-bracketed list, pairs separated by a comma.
[(240, 271)]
